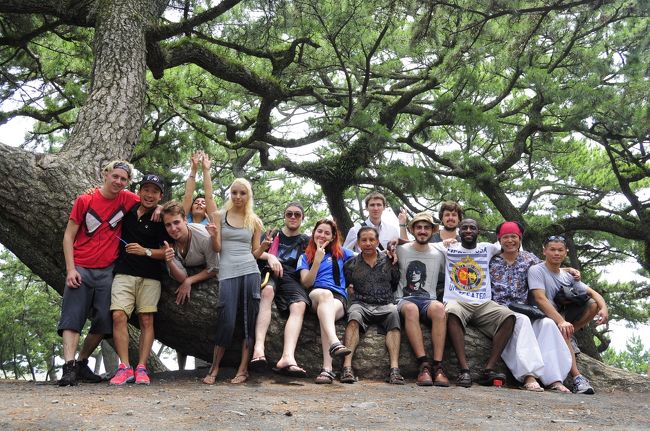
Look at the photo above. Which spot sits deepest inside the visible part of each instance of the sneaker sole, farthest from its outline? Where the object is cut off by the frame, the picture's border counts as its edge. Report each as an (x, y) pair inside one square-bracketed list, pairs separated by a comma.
[(424, 383), (132, 380)]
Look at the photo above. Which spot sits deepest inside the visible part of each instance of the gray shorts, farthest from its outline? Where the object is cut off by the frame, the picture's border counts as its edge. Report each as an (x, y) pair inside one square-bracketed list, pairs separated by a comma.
[(90, 300), (386, 316)]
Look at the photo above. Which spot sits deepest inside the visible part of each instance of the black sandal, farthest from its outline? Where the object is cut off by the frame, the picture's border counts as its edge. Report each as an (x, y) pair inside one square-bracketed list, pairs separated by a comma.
[(395, 377), (347, 375), (325, 377), (338, 349)]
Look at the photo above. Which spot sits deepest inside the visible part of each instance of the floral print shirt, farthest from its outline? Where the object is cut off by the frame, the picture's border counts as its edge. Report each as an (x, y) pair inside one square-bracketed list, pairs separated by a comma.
[(510, 282)]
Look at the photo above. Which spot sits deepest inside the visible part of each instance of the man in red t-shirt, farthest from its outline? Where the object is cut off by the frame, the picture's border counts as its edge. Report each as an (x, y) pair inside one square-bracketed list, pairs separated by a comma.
[(90, 245)]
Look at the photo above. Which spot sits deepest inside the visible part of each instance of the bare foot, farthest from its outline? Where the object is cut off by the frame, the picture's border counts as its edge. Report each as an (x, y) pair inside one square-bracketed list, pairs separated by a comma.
[(239, 379)]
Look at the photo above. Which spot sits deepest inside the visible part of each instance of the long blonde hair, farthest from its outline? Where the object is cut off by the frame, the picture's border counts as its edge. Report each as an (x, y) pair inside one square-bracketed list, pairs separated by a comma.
[(251, 220)]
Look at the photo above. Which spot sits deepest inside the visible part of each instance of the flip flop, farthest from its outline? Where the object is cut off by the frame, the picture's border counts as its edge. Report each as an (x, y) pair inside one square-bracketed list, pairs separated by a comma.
[(291, 371), (258, 364), (532, 387), (239, 379)]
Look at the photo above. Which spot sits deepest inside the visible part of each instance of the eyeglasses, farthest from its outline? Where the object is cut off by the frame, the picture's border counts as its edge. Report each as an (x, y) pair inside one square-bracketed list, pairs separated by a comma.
[(293, 214), (558, 238)]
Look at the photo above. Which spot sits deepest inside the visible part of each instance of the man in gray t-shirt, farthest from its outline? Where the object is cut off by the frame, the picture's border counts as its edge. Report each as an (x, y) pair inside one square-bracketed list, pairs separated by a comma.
[(544, 282)]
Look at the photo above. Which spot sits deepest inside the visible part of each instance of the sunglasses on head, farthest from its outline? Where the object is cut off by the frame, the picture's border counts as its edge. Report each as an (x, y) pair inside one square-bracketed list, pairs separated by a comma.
[(293, 214), (559, 238)]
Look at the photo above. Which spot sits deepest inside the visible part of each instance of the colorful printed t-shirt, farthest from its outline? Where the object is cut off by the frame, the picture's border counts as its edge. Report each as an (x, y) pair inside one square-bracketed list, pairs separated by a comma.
[(510, 282), (467, 272)]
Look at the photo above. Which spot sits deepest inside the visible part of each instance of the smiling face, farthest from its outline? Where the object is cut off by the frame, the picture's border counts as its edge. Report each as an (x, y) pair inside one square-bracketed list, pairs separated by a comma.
[(198, 207), (114, 181), (422, 231), (468, 232), (368, 242), (176, 226), (510, 242), (322, 234), (150, 195)]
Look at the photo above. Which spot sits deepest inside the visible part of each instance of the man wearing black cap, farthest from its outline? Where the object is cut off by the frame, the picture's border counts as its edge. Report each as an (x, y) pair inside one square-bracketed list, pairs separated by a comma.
[(136, 285)]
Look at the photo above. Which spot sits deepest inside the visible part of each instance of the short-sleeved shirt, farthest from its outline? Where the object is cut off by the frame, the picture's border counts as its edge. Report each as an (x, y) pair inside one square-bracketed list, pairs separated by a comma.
[(387, 233), (510, 282), (289, 250), (540, 277), (467, 277), (96, 244), (324, 277), (418, 271), (200, 252), (147, 233), (372, 285)]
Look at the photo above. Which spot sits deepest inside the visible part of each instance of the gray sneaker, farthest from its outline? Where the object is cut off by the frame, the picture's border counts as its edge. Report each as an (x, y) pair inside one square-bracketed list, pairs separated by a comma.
[(582, 386), (574, 344)]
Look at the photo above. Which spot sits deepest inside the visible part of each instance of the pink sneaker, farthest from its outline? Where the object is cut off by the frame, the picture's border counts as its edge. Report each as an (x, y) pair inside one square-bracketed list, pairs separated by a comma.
[(123, 376), (141, 376)]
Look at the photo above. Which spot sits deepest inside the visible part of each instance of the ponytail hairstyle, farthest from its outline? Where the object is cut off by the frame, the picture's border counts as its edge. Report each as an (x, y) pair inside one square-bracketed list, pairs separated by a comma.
[(334, 247)]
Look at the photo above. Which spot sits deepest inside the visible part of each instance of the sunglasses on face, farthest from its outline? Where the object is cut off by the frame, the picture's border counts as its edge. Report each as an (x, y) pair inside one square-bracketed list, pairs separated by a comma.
[(293, 214)]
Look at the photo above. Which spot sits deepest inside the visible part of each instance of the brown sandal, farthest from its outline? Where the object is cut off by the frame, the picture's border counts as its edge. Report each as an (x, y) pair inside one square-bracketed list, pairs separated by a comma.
[(209, 379), (239, 379), (325, 377), (347, 375), (395, 377)]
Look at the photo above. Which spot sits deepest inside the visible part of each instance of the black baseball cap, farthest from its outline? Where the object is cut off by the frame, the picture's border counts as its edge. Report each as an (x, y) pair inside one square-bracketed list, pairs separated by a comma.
[(155, 180)]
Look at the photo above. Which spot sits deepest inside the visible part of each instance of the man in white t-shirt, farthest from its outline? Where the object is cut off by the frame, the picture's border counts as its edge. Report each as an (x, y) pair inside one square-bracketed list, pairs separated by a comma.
[(375, 205), (468, 299)]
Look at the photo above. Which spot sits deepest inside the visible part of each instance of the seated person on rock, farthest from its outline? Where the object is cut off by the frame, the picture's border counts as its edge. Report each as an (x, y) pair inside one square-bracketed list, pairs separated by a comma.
[(321, 273), (468, 300), (545, 280), (420, 264), (536, 350), (372, 278), (291, 298)]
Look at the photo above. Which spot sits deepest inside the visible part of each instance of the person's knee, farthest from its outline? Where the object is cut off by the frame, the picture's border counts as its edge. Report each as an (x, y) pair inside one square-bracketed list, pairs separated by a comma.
[(298, 308), (146, 321), (352, 326), (410, 311), (267, 295), (119, 318), (436, 311), (591, 310)]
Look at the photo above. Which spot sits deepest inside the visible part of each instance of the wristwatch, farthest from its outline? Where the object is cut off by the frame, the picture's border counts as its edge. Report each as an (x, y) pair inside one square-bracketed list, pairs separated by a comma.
[(147, 252)]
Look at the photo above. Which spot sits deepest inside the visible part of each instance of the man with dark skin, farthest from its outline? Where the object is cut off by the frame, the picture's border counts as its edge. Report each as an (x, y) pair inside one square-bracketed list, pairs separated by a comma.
[(468, 300)]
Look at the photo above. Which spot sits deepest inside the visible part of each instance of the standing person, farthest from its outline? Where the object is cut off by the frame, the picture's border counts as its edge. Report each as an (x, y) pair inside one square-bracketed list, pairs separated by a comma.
[(195, 208), (236, 236), (375, 204), (291, 299), (468, 299), (90, 246), (321, 271), (137, 280), (372, 278), (450, 215), (545, 280), (536, 349), (420, 264)]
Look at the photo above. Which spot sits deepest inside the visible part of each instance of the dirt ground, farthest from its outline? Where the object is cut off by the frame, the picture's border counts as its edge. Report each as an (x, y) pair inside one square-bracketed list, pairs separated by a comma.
[(178, 400)]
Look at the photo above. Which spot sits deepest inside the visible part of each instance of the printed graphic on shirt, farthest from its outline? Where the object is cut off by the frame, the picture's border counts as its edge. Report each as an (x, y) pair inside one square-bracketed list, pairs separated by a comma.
[(467, 275), (416, 278)]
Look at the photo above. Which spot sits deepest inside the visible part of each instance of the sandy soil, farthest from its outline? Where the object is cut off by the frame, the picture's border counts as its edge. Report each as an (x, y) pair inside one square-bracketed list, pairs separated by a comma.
[(177, 400)]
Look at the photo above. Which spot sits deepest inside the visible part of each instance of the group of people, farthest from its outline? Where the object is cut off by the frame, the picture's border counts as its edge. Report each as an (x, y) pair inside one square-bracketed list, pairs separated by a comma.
[(444, 279)]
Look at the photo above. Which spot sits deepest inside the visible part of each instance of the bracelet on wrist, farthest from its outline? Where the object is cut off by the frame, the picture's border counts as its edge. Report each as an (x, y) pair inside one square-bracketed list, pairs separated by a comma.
[(401, 225)]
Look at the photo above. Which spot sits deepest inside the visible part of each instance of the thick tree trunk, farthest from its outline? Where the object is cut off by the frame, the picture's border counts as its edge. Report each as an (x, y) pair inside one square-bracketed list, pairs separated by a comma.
[(39, 189)]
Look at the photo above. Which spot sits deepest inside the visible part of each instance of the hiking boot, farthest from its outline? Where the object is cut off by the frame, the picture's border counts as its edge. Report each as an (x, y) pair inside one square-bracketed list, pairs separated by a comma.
[(491, 378), (141, 375), (440, 377), (85, 374), (69, 376), (123, 376), (582, 386), (424, 377)]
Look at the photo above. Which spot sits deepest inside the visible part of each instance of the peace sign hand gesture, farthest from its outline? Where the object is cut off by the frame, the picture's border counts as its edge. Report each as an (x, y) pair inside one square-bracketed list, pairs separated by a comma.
[(320, 251)]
